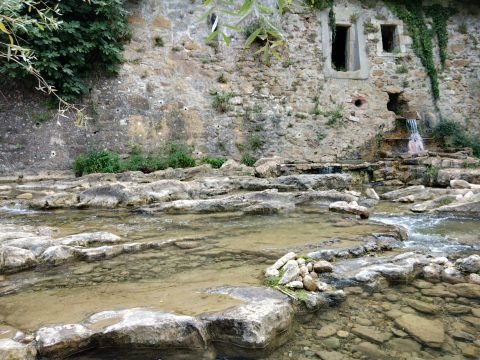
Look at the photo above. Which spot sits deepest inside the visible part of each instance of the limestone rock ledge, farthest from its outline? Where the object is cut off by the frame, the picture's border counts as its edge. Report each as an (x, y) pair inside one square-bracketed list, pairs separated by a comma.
[(251, 329)]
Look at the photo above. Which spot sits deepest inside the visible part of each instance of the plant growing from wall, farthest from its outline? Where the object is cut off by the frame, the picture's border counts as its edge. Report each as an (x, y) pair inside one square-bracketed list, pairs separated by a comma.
[(412, 14)]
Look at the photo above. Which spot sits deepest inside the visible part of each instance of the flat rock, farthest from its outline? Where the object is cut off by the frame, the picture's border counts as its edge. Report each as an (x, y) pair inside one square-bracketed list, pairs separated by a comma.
[(86, 239), (427, 332), (371, 335), (423, 306), (468, 290), (327, 331), (371, 351)]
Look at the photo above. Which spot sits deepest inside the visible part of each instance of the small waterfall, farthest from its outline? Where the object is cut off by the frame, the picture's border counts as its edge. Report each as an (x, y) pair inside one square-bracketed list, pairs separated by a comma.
[(415, 142)]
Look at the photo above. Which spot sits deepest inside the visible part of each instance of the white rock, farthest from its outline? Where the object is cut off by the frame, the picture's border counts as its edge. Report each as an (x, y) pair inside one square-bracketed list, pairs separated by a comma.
[(271, 272), (295, 285), (283, 260), (291, 272), (301, 261), (372, 194)]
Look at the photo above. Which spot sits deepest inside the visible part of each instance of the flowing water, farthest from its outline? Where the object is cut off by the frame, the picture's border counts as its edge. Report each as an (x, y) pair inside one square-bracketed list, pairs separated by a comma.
[(415, 143), (223, 250)]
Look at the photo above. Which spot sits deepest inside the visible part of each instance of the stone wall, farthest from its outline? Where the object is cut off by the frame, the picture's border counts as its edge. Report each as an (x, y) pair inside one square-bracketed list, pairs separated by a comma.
[(163, 93)]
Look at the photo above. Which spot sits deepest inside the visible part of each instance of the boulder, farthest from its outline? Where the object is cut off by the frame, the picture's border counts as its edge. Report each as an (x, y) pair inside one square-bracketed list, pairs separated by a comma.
[(469, 264), (13, 350), (460, 184), (252, 329), (471, 176), (36, 244), (432, 272), (268, 167), (137, 328), (350, 208), (14, 259), (425, 331), (322, 266), (62, 340)]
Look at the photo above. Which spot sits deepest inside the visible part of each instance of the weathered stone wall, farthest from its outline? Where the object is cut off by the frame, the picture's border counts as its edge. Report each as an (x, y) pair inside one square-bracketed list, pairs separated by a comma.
[(163, 93)]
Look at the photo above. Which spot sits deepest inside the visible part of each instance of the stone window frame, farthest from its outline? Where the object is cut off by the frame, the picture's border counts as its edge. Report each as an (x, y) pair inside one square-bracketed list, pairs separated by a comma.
[(401, 37), (360, 42)]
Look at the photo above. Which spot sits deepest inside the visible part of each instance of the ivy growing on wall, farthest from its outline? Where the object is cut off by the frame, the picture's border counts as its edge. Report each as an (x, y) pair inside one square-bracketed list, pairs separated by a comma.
[(412, 13), (322, 5), (440, 15)]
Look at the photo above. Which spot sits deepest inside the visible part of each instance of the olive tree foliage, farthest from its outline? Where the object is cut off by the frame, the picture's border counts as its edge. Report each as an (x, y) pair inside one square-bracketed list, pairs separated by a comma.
[(256, 20), (14, 18)]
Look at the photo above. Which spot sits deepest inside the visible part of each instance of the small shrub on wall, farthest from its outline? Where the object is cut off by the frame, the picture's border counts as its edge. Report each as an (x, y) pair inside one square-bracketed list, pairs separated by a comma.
[(89, 41)]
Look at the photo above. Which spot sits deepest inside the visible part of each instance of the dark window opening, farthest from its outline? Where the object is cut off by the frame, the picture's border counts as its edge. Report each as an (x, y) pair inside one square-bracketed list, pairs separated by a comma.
[(389, 38), (339, 48), (393, 104)]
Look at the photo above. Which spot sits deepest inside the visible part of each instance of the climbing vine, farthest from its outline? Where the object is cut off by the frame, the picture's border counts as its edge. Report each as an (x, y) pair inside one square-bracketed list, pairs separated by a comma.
[(413, 15), (440, 15), (322, 5)]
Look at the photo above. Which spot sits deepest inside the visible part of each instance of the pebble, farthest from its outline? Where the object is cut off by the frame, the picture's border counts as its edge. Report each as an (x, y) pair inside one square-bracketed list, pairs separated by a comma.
[(343, 334), (327, 331)]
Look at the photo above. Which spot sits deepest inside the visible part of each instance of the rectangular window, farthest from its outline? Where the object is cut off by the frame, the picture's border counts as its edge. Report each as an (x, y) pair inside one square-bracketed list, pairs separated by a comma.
[(390, 39), (340, 48)]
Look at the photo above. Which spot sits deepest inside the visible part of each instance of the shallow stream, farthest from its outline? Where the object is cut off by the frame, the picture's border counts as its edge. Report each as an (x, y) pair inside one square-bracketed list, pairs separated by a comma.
[(223, 250)]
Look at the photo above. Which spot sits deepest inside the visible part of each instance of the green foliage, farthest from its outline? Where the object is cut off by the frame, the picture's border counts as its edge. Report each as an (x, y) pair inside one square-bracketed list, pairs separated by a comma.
[(88, 40), (248, 159), (268, 36), (172, 155), (431, 174), (96, 161), (402, 69), (40, 117), (440, 15), (319, 4), (222, 79), (449, 133), (369, 28), (216, 163), (462, 28), (159, 41), (255, 142), (335, 116), (413, 15), (220, 100)]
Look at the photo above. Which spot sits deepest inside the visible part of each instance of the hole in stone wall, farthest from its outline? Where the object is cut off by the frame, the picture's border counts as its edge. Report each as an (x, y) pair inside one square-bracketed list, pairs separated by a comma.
[(358, 103), (389, 38), (340, 48), (397, 103)]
